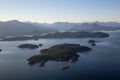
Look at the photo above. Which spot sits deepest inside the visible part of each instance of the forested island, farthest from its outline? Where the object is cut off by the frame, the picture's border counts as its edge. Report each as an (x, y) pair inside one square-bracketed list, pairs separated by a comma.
[(80, 34), (61, 52)]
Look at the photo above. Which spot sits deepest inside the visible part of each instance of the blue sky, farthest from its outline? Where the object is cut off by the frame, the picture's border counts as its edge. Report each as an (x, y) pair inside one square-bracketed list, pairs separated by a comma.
[(60, 10)]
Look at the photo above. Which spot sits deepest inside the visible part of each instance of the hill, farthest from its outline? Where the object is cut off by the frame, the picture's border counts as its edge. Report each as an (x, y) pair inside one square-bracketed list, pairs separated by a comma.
[(17, 28)]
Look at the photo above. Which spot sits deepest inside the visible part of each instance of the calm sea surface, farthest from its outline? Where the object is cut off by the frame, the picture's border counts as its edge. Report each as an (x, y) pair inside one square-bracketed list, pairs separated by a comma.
[(102, 63)]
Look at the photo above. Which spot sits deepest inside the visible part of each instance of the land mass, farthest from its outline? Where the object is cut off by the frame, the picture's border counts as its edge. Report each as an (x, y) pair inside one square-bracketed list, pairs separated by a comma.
[(61, 52), (28, 46), (80, 34)]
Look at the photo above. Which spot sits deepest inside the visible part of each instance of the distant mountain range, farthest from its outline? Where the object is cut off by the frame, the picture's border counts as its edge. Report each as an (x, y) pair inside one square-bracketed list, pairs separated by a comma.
[(113, 24), (94, 27), (59, 26), (87, 26), (17, 28)]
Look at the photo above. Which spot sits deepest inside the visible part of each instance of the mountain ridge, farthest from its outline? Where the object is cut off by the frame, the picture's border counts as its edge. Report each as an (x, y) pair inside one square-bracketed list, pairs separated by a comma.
[(18, 28)]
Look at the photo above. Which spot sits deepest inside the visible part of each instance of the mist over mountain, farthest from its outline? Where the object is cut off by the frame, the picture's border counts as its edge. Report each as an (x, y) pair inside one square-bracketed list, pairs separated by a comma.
[(86, 26), (17, 28)]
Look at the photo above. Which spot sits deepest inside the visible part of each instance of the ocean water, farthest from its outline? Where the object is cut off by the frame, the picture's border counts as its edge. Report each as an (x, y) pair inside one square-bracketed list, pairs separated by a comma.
[(102, 63)]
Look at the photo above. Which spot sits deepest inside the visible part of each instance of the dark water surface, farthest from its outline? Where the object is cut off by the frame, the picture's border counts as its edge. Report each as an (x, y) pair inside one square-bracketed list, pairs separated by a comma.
[(102, 63)]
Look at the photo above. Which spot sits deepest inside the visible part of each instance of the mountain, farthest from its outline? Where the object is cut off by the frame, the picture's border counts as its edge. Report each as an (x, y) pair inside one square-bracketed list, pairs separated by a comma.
[(17, 28), (62, 26), (59, 26), (95, 26), (113, 24)]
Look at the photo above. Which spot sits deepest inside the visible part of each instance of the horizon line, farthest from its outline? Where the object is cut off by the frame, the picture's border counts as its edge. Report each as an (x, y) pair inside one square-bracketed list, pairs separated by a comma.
[(30, 21)]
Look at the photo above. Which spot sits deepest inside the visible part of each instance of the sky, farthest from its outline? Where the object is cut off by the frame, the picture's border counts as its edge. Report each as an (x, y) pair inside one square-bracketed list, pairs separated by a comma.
[(50, 11)]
